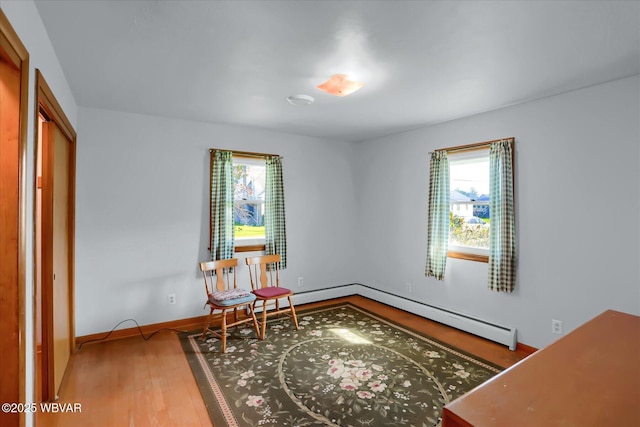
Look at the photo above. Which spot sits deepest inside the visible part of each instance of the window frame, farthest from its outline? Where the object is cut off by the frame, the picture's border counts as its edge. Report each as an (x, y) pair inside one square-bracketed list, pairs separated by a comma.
[(251, 246)]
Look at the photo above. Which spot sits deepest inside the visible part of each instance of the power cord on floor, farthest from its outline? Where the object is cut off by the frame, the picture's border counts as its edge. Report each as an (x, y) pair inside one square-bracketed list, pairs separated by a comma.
[(137, 326)]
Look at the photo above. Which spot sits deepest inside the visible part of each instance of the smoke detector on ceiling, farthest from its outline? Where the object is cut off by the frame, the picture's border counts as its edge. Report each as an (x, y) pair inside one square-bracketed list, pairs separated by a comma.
[(300, 100)]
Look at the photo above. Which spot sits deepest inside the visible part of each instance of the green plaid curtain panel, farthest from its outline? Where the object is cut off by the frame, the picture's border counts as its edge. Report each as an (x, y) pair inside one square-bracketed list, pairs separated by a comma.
[(222, 234), (438, 215), (274, 219), (502, 237)]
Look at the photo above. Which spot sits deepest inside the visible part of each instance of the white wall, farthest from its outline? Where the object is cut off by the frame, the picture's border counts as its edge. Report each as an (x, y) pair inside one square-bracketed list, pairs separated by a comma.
[(25, 20), (142, 213), (576, 154)]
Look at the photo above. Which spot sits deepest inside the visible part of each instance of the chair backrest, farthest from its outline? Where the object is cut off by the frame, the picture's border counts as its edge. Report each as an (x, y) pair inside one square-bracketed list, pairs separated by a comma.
[(219, 275), (260, 276)]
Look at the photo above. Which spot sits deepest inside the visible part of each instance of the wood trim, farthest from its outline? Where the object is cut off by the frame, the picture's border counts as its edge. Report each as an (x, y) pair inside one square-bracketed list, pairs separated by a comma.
[(237, 153), (475, 145), (181, 324), (8, 53), (46, 369), (52, 109), (72, 239), (468, 256), (250, 248), (22, 225), (525, 348), (11, 44)]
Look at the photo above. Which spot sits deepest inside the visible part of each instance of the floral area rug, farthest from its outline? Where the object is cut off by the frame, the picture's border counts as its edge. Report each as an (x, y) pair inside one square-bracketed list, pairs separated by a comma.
[(344, 367)]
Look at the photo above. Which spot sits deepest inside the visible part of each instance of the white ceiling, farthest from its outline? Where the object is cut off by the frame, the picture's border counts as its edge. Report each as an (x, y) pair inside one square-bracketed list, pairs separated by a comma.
[(423, 62)]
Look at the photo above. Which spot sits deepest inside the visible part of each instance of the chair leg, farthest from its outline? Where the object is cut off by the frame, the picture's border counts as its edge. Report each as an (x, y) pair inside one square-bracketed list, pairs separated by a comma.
[(206, 326), (252, 311), (264, 318), (223, 335), (293, 313)]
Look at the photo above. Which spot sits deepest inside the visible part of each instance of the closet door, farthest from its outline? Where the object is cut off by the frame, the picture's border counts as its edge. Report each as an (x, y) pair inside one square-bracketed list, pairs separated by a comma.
[(56, 252)]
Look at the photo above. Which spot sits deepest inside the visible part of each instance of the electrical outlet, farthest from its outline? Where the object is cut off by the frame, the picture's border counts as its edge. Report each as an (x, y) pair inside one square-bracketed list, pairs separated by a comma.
[(300, 281), (408, 287), (556, 326), (171, 298)]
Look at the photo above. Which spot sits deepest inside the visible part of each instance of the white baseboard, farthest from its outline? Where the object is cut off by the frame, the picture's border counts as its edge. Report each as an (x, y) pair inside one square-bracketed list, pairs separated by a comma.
[(325, 294)]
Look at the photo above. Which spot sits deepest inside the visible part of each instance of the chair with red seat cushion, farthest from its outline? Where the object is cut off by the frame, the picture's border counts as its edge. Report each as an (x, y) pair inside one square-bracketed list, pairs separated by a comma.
[(223, 294), (265, 283)]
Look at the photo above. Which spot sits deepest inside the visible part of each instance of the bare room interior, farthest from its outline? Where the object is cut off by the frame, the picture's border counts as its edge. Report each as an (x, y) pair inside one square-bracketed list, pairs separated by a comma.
[(115, 113)]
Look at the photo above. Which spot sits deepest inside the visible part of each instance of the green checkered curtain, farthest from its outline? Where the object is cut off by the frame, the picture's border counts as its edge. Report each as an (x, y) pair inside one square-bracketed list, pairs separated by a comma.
[(438, 216), (275, 229), (502, 237), (222, 233)]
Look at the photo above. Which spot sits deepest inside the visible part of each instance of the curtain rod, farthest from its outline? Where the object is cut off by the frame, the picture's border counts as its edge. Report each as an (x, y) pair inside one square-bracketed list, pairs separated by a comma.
[(474, 145), (246, 153)]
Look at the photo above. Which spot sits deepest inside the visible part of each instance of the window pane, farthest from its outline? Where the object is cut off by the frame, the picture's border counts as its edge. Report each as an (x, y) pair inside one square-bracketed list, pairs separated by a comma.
[(249, 186), (469, 211), (249, 220)]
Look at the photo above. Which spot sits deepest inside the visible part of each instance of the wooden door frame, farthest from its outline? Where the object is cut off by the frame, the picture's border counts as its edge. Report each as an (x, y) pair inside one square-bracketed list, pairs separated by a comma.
[(19, 56), (47, 105)]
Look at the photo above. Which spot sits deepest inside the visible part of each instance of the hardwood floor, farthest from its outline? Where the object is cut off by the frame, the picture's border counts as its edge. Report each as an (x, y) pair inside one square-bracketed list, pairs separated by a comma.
[(133, 382)]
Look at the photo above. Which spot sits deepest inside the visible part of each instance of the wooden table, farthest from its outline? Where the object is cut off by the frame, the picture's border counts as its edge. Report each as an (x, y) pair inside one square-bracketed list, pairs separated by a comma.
[(588, 378)]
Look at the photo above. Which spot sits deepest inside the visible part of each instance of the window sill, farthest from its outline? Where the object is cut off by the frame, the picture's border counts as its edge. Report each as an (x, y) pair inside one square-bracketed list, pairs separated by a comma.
[(250, 248), (468, 256)]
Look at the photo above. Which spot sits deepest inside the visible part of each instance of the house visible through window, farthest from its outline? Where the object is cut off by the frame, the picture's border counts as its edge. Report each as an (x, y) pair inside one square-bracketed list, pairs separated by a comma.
[(249, 176), (469, 213)]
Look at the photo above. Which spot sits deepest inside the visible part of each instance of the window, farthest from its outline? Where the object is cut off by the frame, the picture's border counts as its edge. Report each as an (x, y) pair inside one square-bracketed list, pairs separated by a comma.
[(249, 176), (247, 210), (469, 213), (459, 185)]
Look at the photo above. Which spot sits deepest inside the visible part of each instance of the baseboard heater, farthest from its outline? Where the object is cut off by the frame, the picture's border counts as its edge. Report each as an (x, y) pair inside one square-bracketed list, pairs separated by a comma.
[(498, 333)]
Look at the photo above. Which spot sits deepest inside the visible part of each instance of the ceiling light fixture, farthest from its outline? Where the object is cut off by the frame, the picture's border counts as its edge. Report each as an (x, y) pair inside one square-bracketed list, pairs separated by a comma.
[(340, 85), (300, 100)]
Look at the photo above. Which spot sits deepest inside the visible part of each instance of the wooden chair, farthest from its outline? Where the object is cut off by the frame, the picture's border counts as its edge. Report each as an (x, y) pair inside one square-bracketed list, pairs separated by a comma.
[(266, 287), (223, 294)]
